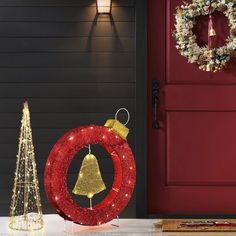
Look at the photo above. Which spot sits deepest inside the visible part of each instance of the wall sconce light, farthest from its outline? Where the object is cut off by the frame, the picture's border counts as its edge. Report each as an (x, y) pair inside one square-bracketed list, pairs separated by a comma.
[(103, 6)]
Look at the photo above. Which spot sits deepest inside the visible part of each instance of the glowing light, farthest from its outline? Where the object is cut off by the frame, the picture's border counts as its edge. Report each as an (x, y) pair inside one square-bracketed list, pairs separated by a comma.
[(71, 137), (116, 189), (104, 6), (25, 211)]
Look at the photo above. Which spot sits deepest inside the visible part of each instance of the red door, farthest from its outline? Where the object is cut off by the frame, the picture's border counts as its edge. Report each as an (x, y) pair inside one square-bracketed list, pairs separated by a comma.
[(192, 156)]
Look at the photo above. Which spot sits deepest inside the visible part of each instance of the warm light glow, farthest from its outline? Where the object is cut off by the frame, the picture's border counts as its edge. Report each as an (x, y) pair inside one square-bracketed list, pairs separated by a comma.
[(115, 189), (26, 210), (104, 6)]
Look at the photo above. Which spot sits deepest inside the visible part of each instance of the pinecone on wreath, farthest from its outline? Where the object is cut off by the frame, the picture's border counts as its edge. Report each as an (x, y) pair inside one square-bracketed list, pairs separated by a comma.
[(202, 60), (222, 8), (233, 31), (192, 7), (232, 53)]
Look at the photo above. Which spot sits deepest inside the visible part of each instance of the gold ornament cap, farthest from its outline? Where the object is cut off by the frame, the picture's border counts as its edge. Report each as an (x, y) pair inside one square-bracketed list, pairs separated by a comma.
[(116, 126)]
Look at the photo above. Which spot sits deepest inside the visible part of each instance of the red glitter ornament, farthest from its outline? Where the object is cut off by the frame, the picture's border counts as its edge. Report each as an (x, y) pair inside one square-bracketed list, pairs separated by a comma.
[(59, 161)]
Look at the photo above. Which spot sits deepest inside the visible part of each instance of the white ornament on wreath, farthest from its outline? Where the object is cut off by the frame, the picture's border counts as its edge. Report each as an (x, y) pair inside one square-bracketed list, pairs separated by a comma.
[(208, 59)]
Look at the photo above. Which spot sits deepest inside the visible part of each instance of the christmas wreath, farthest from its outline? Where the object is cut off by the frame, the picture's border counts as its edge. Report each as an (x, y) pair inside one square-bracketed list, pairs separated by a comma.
[(207, 58)]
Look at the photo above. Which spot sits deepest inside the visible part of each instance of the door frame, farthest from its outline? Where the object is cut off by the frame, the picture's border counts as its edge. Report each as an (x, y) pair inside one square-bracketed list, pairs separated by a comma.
[(141, 108)]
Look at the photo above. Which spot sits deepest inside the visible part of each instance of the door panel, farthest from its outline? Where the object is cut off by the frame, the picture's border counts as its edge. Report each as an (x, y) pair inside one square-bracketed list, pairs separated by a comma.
[(208, 97), (192, 156), (196, 157)]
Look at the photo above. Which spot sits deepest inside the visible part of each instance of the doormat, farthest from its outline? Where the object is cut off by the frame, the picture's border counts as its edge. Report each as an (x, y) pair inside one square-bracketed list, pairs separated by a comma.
[(199, 225)]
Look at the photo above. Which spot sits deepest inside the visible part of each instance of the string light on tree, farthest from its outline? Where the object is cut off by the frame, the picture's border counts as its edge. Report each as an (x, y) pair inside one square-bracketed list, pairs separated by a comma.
[(26, 211)]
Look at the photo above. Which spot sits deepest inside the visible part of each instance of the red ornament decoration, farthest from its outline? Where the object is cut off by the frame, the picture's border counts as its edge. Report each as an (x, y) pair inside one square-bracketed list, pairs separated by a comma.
[(59, 161)]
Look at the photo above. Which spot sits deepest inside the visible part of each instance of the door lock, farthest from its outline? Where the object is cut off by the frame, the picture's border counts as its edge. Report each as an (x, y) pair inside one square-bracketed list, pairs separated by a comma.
[(155, 102)]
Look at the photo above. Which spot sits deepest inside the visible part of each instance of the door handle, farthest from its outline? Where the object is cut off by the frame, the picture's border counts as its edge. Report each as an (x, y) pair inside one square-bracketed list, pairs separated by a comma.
[(155, 103)]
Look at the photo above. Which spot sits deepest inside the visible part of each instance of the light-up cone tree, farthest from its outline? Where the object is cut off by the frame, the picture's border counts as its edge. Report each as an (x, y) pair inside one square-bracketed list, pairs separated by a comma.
[(89, 180), (26, 210)]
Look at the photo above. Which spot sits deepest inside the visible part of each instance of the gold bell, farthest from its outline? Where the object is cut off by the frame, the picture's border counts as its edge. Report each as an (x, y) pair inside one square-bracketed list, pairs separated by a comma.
[(212, 53), (89, 180), (209, 67), (212, 32)]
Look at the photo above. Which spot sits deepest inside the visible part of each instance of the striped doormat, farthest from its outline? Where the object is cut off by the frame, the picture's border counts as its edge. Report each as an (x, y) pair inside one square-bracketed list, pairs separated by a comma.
[(195, 225)]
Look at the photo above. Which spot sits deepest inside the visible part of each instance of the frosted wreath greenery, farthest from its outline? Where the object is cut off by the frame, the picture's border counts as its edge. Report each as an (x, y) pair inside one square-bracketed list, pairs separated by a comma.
[(185, 15)]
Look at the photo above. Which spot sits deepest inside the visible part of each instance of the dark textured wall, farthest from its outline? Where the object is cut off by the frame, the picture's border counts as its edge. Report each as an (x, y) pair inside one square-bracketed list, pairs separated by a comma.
[(74, 68)]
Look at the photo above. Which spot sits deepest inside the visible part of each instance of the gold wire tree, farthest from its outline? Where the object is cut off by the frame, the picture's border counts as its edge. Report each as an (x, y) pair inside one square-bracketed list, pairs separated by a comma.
[(26, 209)]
